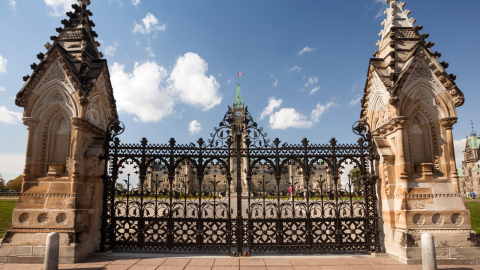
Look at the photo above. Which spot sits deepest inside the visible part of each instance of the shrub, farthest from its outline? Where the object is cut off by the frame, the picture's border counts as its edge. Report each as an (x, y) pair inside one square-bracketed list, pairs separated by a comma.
[(15, 184)]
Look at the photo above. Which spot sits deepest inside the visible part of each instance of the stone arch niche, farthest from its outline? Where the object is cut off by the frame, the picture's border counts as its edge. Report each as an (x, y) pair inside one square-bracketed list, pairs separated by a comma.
[(423, 144), (57, 142)]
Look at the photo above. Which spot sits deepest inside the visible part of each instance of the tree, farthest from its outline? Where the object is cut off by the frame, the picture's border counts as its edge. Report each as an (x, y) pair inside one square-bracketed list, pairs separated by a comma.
[(15, 184), (119, 186), (356, 179), (2, 183)]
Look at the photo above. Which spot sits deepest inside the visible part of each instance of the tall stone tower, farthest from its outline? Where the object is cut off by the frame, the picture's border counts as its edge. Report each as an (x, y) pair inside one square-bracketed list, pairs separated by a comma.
[(67, 101), (410, 103), (238, 114), (470, 171)]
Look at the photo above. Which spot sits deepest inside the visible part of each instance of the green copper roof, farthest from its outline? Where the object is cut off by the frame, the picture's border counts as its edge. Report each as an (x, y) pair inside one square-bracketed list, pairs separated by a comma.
[(473, 142), (476, 167), (238, 98), (460, 172)]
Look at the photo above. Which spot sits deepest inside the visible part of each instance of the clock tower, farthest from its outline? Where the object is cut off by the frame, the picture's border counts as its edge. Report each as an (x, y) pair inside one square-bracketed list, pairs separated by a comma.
[(238, 114)]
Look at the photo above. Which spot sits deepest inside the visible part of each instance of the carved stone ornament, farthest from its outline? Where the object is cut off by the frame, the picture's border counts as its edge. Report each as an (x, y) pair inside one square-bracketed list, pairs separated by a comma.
[(56, 72), (31, 123), (394, 141), (393, 101), (421, 71), (390, 127), (420, 96), (378, 94), (448, 122), (458, 101), (87, 126), (385, 175), (95, 115)]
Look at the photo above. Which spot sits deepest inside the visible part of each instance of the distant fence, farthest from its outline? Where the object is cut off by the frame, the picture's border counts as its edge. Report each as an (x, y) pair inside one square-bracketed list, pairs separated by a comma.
[(14, 194)]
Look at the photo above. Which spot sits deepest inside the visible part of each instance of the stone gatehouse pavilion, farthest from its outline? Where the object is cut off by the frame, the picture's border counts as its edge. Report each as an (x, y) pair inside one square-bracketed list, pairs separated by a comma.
[(409, 101)]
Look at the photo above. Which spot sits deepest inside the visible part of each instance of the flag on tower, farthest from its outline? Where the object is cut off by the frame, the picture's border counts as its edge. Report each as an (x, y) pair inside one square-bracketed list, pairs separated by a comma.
[(240, 74)]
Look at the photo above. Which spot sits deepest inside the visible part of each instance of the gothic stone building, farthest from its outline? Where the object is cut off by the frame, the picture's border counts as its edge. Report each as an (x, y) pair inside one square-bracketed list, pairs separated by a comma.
[(410, 103), (67, 100), (186, 181), (469, 173)]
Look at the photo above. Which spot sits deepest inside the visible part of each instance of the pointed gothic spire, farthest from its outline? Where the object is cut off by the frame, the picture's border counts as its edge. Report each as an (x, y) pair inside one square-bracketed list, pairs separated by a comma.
[(76, 49), (472, 133), (77, 35), (237, 103), (396, 17), (400, 47)]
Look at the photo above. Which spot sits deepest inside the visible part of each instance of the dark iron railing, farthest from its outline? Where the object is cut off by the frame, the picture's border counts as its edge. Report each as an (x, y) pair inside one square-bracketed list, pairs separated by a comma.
[(177, 217)]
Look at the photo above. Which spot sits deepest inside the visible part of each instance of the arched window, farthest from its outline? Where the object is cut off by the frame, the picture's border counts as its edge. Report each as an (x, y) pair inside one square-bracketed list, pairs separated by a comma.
[(420, 136)]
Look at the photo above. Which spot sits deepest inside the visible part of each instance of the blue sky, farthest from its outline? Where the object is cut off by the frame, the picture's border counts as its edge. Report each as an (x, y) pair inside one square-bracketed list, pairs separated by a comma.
[(311, 55)]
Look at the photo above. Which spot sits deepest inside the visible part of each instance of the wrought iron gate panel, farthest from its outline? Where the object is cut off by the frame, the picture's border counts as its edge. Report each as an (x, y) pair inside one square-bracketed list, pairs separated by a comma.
[(197, 212)]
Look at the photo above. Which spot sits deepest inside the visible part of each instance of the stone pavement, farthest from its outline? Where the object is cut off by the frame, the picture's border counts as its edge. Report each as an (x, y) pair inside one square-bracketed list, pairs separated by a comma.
[(175, 262)]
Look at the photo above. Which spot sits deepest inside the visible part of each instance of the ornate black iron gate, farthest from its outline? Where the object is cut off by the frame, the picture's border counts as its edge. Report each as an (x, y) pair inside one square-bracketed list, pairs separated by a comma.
[(200, 212)]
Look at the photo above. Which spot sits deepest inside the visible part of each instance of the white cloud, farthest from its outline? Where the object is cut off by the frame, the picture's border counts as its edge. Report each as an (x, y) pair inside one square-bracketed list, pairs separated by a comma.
[(118, 1), (459, 146), (140, 93), (180, 115), (229, 81), (276, 82), (12, 4), (311, 80), (379, 14), (136, 2), (295, 68), (9, 117), (354, 102), (189, 83), (150, 52), (383, 5), (59, 7), (150, 24), (304, 50), (110, 49), (289, 118), (2, 89), (3, 65), (354, 87), (149, 93), (194, 127), (319, 110), (314, 90), (272, 105), (11, 165)]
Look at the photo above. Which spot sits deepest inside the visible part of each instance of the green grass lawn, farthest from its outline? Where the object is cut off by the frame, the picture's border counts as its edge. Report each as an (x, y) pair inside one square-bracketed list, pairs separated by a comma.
[(474, 207), (6, 211)]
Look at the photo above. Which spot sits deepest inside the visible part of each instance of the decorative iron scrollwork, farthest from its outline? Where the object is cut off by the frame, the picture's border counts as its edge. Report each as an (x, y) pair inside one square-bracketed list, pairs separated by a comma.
[(183, 199)]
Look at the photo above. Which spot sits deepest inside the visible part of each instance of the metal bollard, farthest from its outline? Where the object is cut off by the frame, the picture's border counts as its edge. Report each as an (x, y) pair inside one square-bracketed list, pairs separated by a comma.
[(429, 259), (51, 251)]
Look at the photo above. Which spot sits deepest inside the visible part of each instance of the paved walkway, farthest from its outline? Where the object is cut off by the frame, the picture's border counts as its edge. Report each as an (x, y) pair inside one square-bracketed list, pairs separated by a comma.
[(114, 262)]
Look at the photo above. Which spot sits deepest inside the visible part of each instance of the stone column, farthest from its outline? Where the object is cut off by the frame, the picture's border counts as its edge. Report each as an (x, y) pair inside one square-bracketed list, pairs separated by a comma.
[(401, 121), (448, 123), (31, 123)]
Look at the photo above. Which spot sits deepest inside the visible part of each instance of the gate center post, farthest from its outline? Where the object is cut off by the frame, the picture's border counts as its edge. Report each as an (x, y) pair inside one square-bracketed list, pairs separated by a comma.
[(239, 193)]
